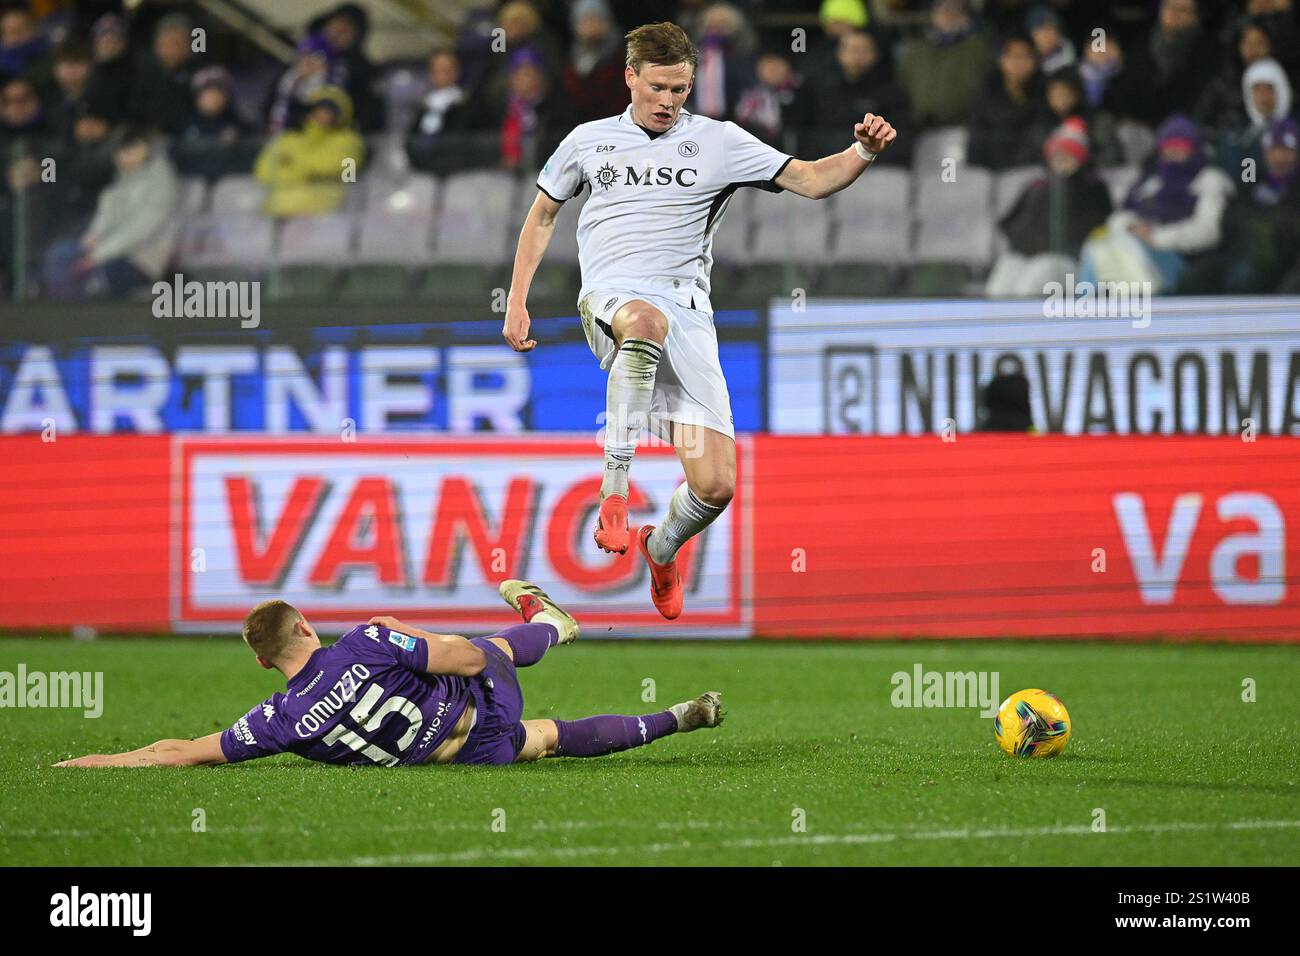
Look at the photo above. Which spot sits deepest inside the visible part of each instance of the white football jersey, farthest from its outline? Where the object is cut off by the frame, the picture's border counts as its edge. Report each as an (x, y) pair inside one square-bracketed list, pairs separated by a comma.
[(655, 201)]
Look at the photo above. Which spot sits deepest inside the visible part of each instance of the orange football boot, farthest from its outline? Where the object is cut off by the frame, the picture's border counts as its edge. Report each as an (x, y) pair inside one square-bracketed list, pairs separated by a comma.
[(611, 528), (665, 583)]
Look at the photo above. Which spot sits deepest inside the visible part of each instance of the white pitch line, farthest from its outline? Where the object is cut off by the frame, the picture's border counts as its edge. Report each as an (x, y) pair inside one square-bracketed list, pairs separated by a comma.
[(795, 840), (538, 826), (541, 826)]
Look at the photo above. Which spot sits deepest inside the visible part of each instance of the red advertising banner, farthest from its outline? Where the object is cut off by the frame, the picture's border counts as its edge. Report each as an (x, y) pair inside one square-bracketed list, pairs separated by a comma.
[(85, 529), (426, 529), (990, 536)]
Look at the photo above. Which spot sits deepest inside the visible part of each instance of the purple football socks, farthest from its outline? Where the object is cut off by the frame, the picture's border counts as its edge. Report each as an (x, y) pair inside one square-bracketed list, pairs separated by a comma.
[(608, 734), (530, 642)]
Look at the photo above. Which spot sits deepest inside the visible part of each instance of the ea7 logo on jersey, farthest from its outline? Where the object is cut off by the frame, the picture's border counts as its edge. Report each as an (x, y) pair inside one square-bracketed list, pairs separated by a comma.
[(605, 148)]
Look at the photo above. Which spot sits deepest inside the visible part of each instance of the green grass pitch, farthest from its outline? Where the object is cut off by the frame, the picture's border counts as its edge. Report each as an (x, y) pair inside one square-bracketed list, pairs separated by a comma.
[(1185, 771)]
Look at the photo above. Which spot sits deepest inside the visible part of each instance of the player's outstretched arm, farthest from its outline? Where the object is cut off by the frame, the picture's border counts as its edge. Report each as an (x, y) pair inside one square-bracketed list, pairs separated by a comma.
[(164, 753), (534, 237), (819, 179), (448, 653)]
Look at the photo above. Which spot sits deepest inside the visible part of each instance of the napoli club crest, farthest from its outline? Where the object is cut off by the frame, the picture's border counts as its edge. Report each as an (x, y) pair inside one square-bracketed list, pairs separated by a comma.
[(688, 148)]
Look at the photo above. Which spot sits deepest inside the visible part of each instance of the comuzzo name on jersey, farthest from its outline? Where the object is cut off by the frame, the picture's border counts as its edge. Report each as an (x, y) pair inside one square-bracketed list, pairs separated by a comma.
[(344, 691)]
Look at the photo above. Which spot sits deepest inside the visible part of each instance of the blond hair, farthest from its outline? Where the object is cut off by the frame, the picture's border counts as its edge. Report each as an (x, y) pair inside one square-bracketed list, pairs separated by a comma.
[(663, 44), (527, 15), (268, 629)]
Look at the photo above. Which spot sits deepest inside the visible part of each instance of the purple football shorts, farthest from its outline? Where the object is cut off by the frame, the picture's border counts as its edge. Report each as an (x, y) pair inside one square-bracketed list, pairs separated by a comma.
[(497, 735)]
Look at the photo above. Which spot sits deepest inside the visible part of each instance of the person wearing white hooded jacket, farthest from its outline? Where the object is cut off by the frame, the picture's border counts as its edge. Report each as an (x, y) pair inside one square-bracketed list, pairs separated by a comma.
[(1266, 92)]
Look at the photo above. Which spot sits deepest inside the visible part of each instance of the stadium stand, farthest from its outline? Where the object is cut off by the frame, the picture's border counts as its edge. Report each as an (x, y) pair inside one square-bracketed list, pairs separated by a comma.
[(443, 183)]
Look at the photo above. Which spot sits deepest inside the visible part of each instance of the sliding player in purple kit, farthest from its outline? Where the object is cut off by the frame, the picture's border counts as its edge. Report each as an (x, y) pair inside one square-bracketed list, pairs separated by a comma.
[(390, 694)]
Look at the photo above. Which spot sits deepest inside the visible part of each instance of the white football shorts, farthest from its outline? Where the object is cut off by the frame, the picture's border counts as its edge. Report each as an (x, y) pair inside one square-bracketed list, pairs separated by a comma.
[(689, 386)]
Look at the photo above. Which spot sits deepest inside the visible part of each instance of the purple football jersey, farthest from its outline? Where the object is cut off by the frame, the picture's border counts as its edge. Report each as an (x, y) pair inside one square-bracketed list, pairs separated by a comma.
[(365, 699)]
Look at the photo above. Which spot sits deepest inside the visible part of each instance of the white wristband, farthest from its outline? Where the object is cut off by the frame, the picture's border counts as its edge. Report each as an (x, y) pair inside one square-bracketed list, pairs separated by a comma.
[(863, 152)]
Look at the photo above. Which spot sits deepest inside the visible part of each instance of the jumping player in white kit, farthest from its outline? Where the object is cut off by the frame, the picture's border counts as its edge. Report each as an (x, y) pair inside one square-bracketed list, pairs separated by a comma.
[(660, 178)]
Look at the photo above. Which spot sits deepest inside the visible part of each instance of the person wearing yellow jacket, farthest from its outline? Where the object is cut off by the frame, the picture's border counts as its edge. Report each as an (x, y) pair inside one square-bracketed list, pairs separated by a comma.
[(305, 169)]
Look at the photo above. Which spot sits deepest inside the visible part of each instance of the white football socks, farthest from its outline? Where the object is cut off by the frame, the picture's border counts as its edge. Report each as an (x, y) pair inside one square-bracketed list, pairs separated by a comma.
[(687, 517), (627, 409), (680, 711)]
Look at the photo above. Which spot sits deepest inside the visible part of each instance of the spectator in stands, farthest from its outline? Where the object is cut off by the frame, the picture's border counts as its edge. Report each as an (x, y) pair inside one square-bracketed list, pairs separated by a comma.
[(689, 15), (132, 236), (536, 116), (838, 17), (72, 70), (215, 140), (1222, 107), (447, 134), (765, 108), (1009, 122), (1110, 84), (306, 75), (725, 67), (593, 77), (1050, 220), (944, 73), (1064, 95), (1262, 232), (445, 94), (303, 169), (23, 123), (860, 84), (344, 30), (84, 165), (1178, 52), (1055, 50), (25, 140), (114, 79), (23, 51), (162, 91), (1278, 17), (1266, 93), (1281, 157), (1174, 211), (473, 47), (522, 33)]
